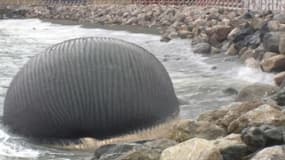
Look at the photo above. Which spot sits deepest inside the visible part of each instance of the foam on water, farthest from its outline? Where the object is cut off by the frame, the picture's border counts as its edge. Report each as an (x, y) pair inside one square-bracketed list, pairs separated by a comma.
[(254, 75), (8, 149)]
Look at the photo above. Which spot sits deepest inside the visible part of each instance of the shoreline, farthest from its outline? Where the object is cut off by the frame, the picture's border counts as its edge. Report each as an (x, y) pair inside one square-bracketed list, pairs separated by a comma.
[(257, 38), (115, 27)]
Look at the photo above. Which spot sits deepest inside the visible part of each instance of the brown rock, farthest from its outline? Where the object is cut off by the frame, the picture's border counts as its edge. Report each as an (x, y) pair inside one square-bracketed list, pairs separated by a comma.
[(236, 111), (232, 50), (226, 114), (268, 55), (187, 129), (279, 78), (252, 63), (275, 63), (221, 32), (264, 114), (213, 116), (193, 149)]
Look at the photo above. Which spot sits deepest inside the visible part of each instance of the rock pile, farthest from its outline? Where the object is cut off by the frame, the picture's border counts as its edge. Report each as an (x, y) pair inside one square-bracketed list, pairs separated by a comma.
[(241, 130), (258, 38)]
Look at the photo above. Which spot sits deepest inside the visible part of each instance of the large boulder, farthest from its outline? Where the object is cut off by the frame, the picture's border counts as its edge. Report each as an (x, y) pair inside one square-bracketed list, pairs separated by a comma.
[(275, 63), (232, 147), (271, 153), (257, 137), (187, 129), (264, 114), (271, 41), (193, 149), (256, 91), (203, 47)]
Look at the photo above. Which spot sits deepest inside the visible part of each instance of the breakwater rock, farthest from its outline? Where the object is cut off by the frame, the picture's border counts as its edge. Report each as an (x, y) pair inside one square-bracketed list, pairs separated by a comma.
[(258, 38)]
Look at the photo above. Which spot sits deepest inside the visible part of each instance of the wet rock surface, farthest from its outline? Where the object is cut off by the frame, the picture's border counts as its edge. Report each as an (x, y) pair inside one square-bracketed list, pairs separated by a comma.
[(148, 150)]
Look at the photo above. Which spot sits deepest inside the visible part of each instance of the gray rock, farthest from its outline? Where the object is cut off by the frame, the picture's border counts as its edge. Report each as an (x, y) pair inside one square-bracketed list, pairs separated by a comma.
[(262, 136), (280, 17), (256, 91), (279, 97), (146, 150), (252, 40), (230, 91), (242, 34), (202, 48), (271, 41), (165, 38)]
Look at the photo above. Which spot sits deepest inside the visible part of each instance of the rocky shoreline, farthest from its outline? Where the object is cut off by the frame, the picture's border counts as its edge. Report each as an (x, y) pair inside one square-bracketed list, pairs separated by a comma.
[(256, 37), (243, 130), (253, 128)]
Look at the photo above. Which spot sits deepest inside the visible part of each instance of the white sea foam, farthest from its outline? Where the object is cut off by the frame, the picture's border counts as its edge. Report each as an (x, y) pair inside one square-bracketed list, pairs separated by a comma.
[(254, 75), (14, 150)]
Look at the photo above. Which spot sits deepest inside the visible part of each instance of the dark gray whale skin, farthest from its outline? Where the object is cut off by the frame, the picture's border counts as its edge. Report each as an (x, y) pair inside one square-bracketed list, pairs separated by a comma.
[(89, 87)]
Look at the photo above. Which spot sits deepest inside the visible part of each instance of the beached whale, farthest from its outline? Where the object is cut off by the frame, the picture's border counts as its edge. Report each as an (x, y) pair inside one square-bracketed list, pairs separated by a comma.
[(89, 87)]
